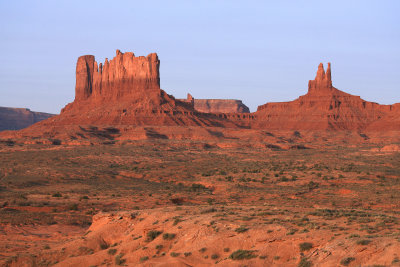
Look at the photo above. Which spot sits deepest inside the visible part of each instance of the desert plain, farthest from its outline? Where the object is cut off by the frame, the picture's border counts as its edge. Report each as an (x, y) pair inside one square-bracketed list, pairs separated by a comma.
[(127, 175)]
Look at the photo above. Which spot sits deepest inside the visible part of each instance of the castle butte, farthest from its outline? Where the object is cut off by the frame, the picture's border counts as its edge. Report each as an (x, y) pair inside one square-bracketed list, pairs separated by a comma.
[(124, 94)]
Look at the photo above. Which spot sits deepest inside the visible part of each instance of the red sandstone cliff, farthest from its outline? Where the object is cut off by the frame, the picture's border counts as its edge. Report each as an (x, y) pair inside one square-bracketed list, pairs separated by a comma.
[(325, 108), (126, 91)]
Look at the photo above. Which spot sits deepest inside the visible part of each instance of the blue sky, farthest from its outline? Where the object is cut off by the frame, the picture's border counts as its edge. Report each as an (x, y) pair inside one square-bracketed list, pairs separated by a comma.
[(257, 51)]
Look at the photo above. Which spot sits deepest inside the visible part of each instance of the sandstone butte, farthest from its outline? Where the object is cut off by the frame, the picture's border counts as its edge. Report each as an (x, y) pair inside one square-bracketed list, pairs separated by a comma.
[(125, 93)]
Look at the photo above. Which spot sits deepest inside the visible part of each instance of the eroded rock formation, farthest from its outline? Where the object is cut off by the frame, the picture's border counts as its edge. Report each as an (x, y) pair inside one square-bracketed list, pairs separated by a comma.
[(114, 99), (19, 118), (126, 91), (325, 108), (217, 105), (125, 76)]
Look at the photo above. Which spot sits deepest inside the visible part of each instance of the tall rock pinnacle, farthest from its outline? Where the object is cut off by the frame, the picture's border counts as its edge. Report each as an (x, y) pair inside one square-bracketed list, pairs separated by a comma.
[(322, 80), (123, 77)]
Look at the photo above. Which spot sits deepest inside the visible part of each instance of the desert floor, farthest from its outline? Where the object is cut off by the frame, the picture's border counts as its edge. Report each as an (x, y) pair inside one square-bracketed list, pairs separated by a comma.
[(182, 203)]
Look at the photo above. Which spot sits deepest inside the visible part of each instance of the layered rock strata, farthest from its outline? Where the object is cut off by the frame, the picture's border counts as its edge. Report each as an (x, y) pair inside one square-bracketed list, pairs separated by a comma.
[(217, 105), (19, 118), (326, 108)]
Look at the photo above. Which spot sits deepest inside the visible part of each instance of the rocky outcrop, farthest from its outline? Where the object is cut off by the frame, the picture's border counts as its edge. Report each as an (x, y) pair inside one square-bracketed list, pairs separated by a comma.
[(217, 105), (220, 106), (322, 80), (125, 91), (19, 118), (325, 108), (125, 76), (114, 99)]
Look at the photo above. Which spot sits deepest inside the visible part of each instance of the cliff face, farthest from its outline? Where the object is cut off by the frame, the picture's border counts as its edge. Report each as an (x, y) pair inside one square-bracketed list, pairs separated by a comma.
[(323, 108), (217, 105), (125, 91), (125, 76), (19, 118), (220, 106)]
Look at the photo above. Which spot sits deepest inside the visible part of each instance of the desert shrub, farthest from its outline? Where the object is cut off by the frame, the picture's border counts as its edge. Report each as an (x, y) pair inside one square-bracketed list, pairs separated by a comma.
[(242, 254), (187, 254), (354, 235), (346, 261), (168, 236), (304, 262), (202, 250), (197, 187), (103, 245), (226, 249), (241, 229), (363, 242), (312, 185), (214, 256), (56, 142), (305, 246), (57, 195), (119, 260), (143, 259), (208, 210), (112, 251), (73, 206), (174, 254), (159, 247), (176, 221), (153, 235)]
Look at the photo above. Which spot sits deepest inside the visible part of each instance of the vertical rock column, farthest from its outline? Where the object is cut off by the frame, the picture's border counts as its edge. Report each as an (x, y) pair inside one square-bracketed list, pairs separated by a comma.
[(84, 77)]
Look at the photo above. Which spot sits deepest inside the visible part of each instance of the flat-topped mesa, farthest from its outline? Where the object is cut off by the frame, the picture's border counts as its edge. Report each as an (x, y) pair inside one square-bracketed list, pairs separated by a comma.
[(122, 77), (322, 80), (216, 105)]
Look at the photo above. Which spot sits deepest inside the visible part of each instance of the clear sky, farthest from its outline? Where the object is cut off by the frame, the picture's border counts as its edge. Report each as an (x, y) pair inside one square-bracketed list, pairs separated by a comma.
[(257, 51)]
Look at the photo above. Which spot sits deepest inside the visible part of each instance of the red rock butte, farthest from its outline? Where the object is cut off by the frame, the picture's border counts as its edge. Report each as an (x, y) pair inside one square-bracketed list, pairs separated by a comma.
[(125, 92), (326, 108)]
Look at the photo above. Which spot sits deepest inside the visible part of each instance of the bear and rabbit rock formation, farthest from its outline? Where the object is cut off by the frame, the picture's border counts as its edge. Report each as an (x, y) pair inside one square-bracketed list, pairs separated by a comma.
[(124, 95)]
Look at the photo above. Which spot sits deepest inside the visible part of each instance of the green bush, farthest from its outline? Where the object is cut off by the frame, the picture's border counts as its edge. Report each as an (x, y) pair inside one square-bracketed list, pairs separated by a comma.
[(202, 250), (304, 263), (305, 246), (145, 258), (214, 256), (112, 251), (152, 235), (363, 242), (241, 229), (242, 254), (168, 236), (346, 261)]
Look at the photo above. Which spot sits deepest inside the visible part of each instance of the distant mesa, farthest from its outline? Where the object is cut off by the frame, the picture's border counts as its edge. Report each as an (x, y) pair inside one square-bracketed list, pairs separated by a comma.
[(217, 105), (19, 118)]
